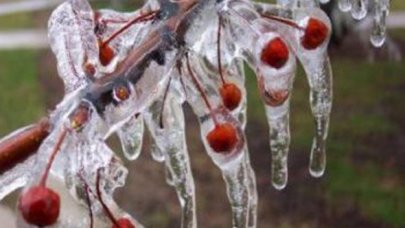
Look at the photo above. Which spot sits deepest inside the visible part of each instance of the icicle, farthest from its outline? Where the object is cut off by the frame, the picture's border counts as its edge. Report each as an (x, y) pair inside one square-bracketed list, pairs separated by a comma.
[(275, 79), (345, 5), (238, 194), (321, 103), (224, 71), (279, 142), (131, 137), (381, 12), (236, 73), (165, 121), (319, 73), (156, 153), (207, 104), (359, 9)]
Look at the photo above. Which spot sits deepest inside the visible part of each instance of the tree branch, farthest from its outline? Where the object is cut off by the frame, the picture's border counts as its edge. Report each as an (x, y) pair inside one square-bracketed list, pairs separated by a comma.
[(176, 15), (23, 144)]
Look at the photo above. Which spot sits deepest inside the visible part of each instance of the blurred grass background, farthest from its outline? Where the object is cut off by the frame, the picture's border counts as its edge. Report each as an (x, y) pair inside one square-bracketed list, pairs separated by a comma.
[(364, 180)]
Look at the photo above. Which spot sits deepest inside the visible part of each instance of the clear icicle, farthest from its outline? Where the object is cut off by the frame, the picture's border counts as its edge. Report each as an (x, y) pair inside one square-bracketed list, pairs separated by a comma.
[(319, 73), (275, 86), (252, 189), (278, 118), (156, 153), (131, 137), (237, 73), (238, 194), (377, 37), (321, 104), (345, 5), (165, 120), (233, 72), (359, 9)]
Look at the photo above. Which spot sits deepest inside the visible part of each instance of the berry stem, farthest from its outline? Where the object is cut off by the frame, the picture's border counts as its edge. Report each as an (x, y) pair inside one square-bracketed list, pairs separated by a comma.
[(219, 50), (141, 18), (100, 198), (114, 21), (88, 201), (283, 20), (200, 89), (52, 157)]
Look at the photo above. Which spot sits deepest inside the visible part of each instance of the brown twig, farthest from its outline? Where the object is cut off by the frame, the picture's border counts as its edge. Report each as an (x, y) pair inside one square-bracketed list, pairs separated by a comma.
[(20, 146)]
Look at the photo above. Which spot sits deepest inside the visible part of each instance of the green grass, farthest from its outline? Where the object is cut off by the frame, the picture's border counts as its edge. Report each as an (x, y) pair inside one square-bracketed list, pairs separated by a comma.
[(398, 5), (20, 95), (16, 21)]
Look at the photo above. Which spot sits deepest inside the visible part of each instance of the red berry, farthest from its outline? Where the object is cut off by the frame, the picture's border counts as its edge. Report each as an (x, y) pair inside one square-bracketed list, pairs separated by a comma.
[(315, 34), (231, 95), (39, 206), (222, 138), (275, 53), (123, 223), (106, 54)]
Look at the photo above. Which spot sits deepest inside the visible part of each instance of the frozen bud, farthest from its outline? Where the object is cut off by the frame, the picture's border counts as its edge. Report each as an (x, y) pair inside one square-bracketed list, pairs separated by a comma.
[(121, 92), (80, 116)]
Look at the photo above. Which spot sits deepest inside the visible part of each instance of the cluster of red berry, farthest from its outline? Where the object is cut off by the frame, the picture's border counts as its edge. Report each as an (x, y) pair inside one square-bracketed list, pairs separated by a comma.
[(275, 54)]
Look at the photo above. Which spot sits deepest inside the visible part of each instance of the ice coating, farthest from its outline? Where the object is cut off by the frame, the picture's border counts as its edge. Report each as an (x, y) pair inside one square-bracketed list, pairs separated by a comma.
[(239, 178), (131, 137), (123, 69), (319, 73), (231, 162), (165, 121), (67, 44)]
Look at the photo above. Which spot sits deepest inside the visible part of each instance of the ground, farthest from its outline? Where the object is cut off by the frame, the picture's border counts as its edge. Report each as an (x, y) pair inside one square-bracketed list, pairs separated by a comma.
[(364, 183)]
